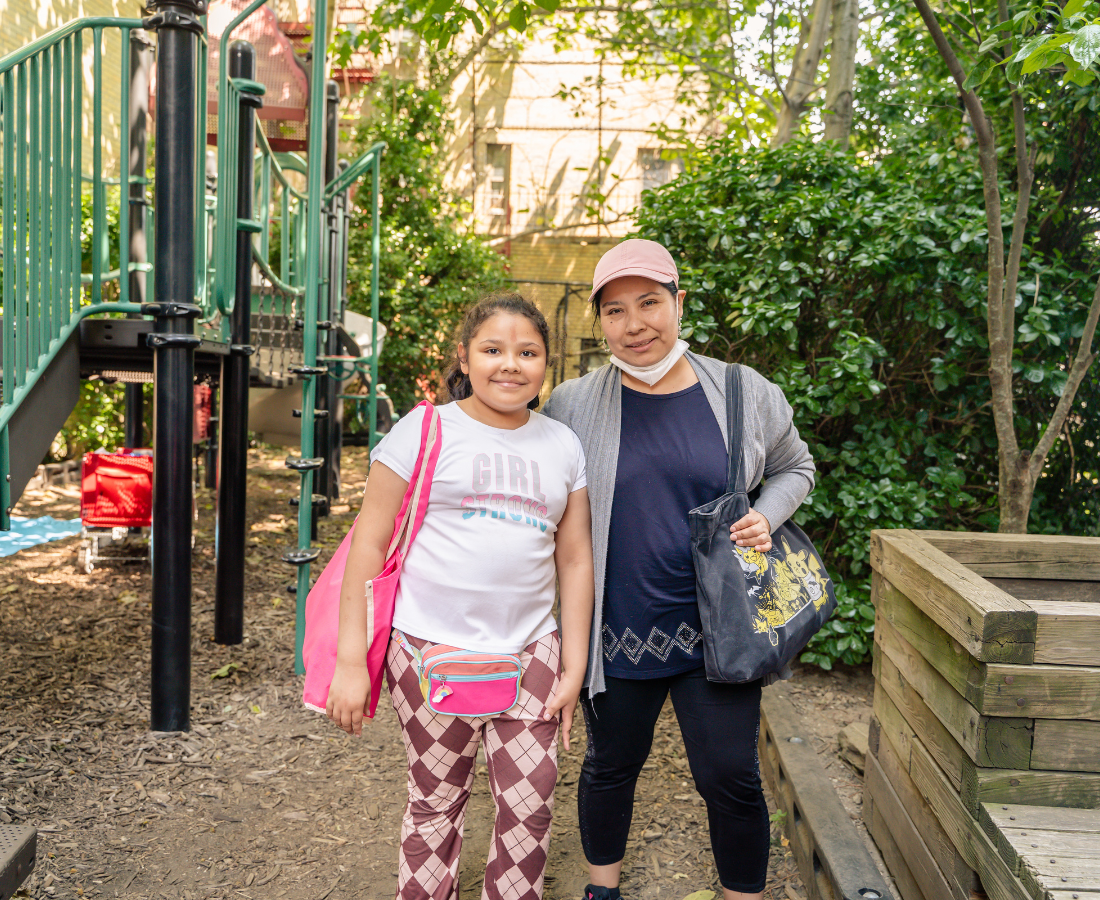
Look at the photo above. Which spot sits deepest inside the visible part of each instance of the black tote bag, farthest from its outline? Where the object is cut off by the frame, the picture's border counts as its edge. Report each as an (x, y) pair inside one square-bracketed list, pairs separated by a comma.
[(758, 610)]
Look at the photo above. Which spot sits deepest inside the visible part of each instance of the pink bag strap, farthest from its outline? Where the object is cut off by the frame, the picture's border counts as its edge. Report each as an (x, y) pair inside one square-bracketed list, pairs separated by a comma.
[(415, 504)]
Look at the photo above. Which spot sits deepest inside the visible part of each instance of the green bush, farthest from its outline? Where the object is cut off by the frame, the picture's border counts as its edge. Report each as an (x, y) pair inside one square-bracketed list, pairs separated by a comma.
[(432, 267), (858, 287)]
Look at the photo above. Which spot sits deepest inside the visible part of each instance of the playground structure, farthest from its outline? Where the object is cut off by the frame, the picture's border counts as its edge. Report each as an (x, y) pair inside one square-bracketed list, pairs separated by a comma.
[(220, 307)]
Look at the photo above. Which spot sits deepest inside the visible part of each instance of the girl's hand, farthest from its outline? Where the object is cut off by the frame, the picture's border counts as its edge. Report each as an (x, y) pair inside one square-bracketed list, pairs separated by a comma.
[(565, 702), (753, 531), (348, 696)]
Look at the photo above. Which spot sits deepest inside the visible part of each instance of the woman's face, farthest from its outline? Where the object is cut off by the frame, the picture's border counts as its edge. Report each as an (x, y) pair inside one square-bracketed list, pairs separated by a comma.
[(640, 319), (506, 362)]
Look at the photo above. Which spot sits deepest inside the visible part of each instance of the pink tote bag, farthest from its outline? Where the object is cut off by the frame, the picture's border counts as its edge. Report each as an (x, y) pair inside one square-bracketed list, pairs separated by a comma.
[(323, 603)]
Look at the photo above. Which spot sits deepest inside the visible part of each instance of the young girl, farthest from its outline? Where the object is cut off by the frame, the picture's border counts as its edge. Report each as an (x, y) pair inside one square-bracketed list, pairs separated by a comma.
[(508, 509)]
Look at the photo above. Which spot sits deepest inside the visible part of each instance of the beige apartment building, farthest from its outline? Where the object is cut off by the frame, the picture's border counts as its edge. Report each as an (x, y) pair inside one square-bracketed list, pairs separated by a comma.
[(553, 149)]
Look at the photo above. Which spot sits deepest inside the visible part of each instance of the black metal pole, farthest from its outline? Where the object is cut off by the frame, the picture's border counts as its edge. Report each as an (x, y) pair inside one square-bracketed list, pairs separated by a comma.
[(140, 57), (211, 481), (233, 418), (328, 389), (174, 344)]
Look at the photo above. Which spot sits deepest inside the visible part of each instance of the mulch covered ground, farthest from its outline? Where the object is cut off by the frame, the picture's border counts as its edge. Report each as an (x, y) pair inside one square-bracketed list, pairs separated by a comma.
[(263, 798)]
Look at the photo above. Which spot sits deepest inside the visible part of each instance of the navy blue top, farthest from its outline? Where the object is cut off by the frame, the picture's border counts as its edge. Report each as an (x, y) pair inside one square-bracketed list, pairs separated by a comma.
[(671, 459)]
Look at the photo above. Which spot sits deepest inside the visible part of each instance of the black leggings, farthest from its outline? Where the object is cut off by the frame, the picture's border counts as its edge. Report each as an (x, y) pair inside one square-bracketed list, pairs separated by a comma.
[(720, 724)]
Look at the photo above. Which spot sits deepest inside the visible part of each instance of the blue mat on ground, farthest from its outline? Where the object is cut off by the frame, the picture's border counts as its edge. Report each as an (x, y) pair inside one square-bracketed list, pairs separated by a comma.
[(31, 532)]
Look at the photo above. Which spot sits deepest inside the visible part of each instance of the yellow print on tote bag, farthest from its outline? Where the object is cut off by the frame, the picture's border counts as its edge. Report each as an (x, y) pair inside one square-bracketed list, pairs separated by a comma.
[(782, 583)]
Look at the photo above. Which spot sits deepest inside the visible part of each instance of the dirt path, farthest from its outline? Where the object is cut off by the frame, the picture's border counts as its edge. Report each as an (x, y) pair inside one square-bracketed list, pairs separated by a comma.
[(263, 799)]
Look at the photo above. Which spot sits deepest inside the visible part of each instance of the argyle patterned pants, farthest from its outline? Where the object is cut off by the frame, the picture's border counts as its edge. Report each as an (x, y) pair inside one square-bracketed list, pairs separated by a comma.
[(521, 755)]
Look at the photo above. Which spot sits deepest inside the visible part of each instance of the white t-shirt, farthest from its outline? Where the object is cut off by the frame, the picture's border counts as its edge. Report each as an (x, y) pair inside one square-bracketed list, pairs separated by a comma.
[(480, 573)]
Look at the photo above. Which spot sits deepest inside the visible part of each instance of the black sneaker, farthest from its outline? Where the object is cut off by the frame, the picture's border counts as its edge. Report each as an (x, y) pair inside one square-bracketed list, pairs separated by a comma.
[(598, 892)]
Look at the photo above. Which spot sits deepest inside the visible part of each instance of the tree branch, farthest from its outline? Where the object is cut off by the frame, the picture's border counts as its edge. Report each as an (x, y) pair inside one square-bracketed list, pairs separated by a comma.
[(1000, 354), (1077, 370)]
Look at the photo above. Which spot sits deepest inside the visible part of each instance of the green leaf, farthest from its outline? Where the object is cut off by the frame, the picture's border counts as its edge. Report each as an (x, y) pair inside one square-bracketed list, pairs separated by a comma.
[(225, 670), (1085, 48), (978, 74), (1072, 8), (517, 17), (1030, 47), (1081, 77), (712, 241), (548, 5)]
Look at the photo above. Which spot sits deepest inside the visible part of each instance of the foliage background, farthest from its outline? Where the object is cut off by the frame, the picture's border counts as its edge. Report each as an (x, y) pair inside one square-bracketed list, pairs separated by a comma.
[(857, 284), (432, 266)]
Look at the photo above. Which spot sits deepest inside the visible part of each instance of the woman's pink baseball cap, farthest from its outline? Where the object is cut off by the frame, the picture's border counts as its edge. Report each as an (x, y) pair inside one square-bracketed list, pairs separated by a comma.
[(634, 257)]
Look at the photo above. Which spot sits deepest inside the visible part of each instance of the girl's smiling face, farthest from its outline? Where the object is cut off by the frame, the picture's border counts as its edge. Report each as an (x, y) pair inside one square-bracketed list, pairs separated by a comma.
[(640, 319), (506, 363)]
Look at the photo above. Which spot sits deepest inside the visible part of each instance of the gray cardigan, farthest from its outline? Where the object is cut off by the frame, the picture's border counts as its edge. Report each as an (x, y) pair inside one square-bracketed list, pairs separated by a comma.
[(771, 449)]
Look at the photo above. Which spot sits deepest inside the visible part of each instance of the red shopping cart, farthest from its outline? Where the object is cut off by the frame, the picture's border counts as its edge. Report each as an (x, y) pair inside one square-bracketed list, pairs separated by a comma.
[(116, 498)]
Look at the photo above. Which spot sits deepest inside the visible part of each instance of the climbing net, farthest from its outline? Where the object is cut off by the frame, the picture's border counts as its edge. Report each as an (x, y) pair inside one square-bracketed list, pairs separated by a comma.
[(277, 317)]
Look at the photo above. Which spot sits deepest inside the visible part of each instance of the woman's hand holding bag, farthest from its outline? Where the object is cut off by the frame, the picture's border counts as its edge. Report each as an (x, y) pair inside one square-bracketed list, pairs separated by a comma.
[(758, 608)]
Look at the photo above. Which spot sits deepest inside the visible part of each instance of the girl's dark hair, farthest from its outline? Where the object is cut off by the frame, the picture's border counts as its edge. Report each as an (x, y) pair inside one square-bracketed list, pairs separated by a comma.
[(456, 384), (671, 287)]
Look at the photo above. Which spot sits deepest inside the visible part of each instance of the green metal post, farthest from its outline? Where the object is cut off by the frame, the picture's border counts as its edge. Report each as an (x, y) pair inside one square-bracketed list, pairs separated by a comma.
[(5, 482), (34, 349), (8, 243), (99, 200), (20, 227), (314, 213), (45, 209), (202, 251), (375, 253), (76, 113), (60, 190), (124, 173)]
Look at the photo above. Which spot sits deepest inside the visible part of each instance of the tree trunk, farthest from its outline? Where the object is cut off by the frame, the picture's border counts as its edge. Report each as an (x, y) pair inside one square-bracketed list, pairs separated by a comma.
[(802, 83), (1019, 469), (842, 71), (1014, 496)]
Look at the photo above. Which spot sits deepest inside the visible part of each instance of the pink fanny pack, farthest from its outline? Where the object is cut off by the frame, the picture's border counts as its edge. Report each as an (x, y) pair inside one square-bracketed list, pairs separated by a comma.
[(458, 682)]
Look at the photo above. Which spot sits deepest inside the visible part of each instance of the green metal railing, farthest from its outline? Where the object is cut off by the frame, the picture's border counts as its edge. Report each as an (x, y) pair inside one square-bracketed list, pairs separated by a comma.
[(45, 290)]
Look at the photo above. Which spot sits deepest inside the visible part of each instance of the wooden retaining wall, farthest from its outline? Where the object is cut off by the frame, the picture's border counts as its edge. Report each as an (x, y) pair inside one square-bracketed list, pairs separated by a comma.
[(987, 697)]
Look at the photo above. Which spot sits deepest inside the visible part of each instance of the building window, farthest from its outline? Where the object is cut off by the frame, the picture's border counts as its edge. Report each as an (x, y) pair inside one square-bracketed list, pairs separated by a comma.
[(499, 164), (658, 167)]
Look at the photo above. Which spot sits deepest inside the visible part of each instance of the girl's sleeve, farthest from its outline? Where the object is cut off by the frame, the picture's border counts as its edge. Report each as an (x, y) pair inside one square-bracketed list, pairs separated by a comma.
[(581, 478), (398, 449)]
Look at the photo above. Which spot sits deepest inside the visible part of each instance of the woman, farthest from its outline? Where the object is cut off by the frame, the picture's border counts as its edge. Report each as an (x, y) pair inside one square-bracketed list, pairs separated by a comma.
[(653, 427)]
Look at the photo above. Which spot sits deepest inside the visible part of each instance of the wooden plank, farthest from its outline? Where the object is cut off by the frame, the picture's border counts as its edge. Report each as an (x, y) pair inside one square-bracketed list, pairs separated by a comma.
[(1000, 743), (1043, 589), (1046, 818), (1066, 746), (1041, 691), (959, 877), (993, 626), (1067, 634), (918, 857), (950, 658), (901, 710), (966, 834), (993, 689), (833, 859), (1051, 556), (1064, 789), (904, 881), (1077, 844), (1018, 838), (1040, 874)]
